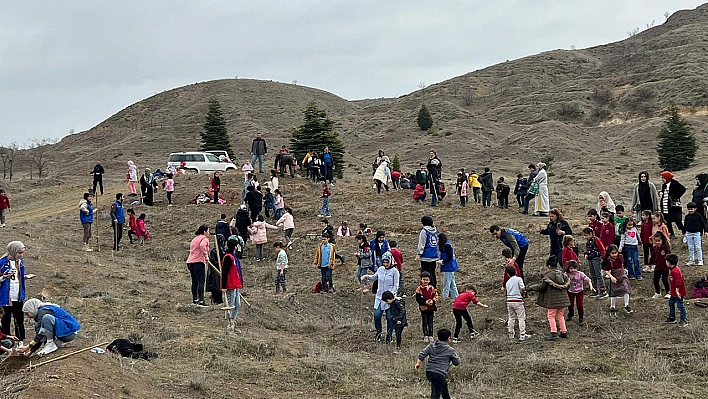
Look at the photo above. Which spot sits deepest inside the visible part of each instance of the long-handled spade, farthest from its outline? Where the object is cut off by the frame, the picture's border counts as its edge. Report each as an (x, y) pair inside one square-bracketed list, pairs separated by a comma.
[(231, 323)]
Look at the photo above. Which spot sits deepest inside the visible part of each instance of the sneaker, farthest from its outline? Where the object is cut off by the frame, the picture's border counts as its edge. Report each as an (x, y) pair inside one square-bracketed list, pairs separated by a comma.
[(683, 323), (593, 295), (276, 293), (20, 344), (284, 294), (512, 335), (632, 278), (568, 318), (2, 225), (602, 295), (474, 334), (698, 264), (455, 340), (331, 184), (378, 337), (49, 347), (202, 304), (552, 337), (236, 331), (656, 296), (563, 334), (670, 321), (524, 337), (667, 296), (628, 309), (639, 278), (425, 338), (59, 343), (613, 312), (320, 215), (388, 339), (689, 263), (581, 321), (431, 339)]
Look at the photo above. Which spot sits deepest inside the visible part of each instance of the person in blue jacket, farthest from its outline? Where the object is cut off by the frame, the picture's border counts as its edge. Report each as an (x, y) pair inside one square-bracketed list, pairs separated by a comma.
[(516, 241), (327, 166), (86, 212), (379, 246), (117, 220), (54, 327), (448, 266), (12, 288)]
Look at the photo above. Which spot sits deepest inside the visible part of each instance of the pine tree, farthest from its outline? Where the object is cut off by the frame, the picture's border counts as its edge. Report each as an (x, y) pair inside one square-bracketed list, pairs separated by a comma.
[(316, 133), (425, 120), (396, 164), (677, 146), (215, 136)]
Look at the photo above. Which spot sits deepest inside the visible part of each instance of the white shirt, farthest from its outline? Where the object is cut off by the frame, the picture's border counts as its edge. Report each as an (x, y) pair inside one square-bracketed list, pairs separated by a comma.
[(14, 283)]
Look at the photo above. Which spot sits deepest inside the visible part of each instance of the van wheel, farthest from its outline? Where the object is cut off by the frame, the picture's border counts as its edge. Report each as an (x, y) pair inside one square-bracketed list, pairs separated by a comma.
[(230, 169), (194, 171)]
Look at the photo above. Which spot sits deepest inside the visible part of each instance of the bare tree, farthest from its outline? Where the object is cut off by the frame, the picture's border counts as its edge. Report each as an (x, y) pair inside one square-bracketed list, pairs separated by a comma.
[(39, 154), (7, 154)]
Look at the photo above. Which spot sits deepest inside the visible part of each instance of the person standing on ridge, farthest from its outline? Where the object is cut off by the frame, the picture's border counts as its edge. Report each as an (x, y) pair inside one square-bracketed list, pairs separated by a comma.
[(97, 173), (258, 152)]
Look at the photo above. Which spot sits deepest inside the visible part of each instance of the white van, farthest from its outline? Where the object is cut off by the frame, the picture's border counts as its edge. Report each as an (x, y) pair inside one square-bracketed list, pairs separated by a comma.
[(199, 162)]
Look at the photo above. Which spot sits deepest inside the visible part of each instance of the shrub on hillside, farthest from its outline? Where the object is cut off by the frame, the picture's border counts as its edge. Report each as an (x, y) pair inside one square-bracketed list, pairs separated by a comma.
[(677, 146), (396, 164), (425, 120), (569, 111)]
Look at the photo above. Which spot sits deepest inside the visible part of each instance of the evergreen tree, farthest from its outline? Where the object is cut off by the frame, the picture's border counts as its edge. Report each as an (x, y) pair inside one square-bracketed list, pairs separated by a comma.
[(396, 164), (677, 146), (425, 120), (316, 133), (215, 135)]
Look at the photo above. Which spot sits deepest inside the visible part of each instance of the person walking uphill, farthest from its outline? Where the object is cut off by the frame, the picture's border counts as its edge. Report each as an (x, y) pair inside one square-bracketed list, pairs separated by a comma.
[(514, 240), (427, 253), (86, 213), (12, 288), (258, 152), (117, 220), (97, 173), (439, 354), (196, 264)]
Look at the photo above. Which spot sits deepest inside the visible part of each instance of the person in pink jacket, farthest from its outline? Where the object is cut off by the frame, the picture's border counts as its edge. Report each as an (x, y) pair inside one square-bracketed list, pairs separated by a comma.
[(288, 225), (258, 235), (196, 264)]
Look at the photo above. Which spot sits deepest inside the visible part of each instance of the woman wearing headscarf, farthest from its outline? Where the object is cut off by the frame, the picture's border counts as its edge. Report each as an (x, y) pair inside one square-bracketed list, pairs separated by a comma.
[(382, 176), (147, 187), (671, 193), (645, 197), (12, 288), (53, 325), (700, 192), (605, 203), (543, 204), (132, 178)]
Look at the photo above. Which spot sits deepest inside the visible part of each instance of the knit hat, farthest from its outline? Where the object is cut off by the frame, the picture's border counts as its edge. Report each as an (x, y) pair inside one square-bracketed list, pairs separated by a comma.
[(667, 175), (32, 306), (13, 248)]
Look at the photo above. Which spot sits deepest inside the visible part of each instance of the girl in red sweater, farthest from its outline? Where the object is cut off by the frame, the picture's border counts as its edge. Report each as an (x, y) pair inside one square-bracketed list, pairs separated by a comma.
[(459, 309), (661, 248), (568, 253), (607, 231), (645, 235)]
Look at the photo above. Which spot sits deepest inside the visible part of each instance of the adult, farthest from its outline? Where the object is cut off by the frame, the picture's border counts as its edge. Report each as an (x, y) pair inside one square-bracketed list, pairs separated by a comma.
[(12, 288), (671, 193), (381, 157), (242, 221), (327, 165), (258, 152), (215, 187), (448, 266), (254, 200), (222, 230), (644, 197), (133, 178), (434, 168), (427, 253), (529, 195), (382, 176), (196, 263), (86, 212), (542, 202), (117, 220), (97, 173), (379, 246), (557, 228), (605, 204), (282, 161), (700, 193), (514, 240), (147, 187), (388, 278), (53, 326), (487, 182), (273, 183)]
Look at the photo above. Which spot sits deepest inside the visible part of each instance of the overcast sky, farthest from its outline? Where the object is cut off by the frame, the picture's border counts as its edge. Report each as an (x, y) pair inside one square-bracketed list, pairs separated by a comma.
[(71, 64)]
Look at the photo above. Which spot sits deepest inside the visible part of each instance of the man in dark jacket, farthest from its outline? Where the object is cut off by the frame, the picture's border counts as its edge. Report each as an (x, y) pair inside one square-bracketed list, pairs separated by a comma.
[(532, 175), (485, 179), (97, 173), (242, 221), (254, 200), (258, 152)]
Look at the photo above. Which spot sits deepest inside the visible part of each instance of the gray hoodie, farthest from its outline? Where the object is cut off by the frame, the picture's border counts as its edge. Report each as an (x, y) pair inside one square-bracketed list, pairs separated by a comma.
[(422, 238), (439, 355)]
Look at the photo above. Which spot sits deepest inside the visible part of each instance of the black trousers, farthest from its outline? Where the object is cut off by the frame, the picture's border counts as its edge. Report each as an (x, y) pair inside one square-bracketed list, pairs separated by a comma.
[(97, 180), (647, 253), (520, 200), (486, 199), (117, 235), (520, 259), (438, 385), (459, 315), (427, 316), (14, 311), (664, 276), (430, 268), (196, 270), (399, 333)]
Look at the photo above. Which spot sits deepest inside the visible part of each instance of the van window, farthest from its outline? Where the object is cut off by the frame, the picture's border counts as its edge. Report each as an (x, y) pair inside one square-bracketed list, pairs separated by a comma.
[(212, 158), (176, 158), (195, 158)]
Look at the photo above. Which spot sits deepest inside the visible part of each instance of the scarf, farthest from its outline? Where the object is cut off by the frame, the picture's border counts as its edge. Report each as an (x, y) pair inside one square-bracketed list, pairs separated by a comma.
[(12, 249), (33, 305), (148, 176)]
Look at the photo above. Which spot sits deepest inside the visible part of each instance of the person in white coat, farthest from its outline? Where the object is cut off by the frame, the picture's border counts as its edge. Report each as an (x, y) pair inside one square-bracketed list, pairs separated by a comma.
[(382, 176), (542, 201), (132, 178), (387, 277)]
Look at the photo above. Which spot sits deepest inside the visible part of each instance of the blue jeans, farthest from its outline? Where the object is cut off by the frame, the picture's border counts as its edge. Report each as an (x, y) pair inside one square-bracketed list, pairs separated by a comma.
[(528, 199), (234, 300), (362, 271), (326, 280), (325, 207), (378, 312), (433, 200), (260, 162), (327, 172), (47, 328), (694, 245), (673, 301), (631, 253), (450, 286)]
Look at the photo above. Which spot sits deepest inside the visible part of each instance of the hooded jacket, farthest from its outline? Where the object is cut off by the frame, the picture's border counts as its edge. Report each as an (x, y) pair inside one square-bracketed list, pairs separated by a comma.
[(440, 354), (474, 182), (700, 192), (486, 181), (258, 232), (552, 290), (428, 244)]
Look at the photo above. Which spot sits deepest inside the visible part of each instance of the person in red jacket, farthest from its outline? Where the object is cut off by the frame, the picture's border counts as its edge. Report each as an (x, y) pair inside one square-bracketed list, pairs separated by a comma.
[(419, 193), (398, 262), (396, 179), (645, 235), (607, 231), (677, 291), (594, 222), (568, 253), (231, 283), (508, 256), (661, 248), (459, 310), (4, 206)]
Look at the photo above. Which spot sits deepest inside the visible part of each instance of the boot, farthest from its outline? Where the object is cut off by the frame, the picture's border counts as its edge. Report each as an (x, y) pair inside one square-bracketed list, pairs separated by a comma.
[(552, 337)]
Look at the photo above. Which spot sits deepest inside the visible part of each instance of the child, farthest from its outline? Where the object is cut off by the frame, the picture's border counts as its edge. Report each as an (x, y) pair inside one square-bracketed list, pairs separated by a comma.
[(363, 260), (324, 212), (132, 225), (440, 354), (508, 256), (269, 202), (343, 230), (288, 225), (575, 291), (693, 229), (281, 267), (442, 192), (247, 169), (7, 342), (661, 248), (645, 235), (140, 230), (678, 291), (607, 230), (462, 186), (552, 295), (258, 232), (448, 266), (476, 186), (396, 179), (232, 281), (419, 193), (502, 190), (398, 262), (595, 253), (324, 260), (594, 222), (459, 310), (658, 224), (521, 188), (629, 241), (364, 230), (619, 220), (397, 308), (279, 203), (169, 188), (4, 206), (515, 291), (427, 297), (619, 283), (568, 252), (240, 244)]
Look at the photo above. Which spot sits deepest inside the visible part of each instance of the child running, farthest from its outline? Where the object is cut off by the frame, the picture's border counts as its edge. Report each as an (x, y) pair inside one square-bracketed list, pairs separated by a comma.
[(288, 225), (629, 242), (515, 291), (619, 283), (397, 308), (575, 291), (281, 266), (427, 297), (678, 291), (661, 248), (439, 354), (459, 310)]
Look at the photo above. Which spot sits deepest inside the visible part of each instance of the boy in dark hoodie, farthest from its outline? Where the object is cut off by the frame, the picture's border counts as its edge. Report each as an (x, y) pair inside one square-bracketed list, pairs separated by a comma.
[(520, 189), (485, 179), (502, 194), (439, 354), (398, 315)]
